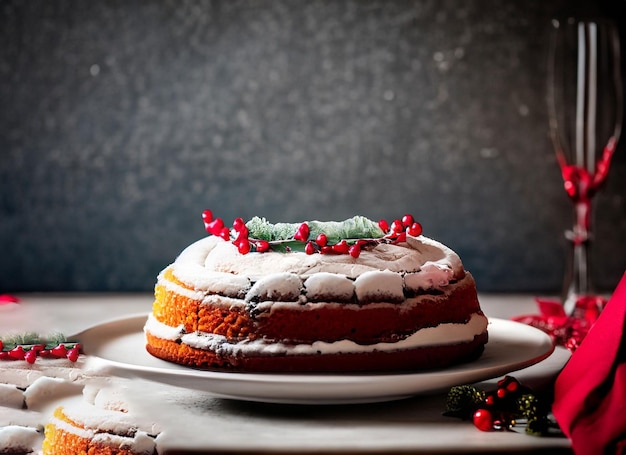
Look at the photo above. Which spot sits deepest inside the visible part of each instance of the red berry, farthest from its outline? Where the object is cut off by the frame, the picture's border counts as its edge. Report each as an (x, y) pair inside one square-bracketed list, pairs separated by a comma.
[(17, 353), (309, 248), (483, 420), (73, 353), (243, 230), (355, 250), (238, 224), (262, 246), (342, 247), (59, 351), (215, 226), (396, 226), (207, 216), (414, 230), (243, 246), (44, 353), (407, 220), (224, 233), (321, 240), (501, 393), (326, 249), (512, 386), (30, 356), (401, 237), (302, 233), (1, 345), (4, 355), (383, 225), (489, 401)]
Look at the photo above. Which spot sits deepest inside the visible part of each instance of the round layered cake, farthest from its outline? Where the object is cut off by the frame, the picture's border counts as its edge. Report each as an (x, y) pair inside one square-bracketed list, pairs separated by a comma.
[(316, 297)]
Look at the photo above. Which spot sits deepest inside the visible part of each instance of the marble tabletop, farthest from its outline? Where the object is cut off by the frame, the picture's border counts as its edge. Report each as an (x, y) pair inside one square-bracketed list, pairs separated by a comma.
[(194, 421)]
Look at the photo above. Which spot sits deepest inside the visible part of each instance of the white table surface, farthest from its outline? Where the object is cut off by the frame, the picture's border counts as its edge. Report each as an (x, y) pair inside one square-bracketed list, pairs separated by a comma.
[(196, 422)]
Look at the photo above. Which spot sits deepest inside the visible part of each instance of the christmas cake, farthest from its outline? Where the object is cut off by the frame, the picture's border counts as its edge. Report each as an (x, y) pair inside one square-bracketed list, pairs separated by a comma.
[(316, 296)]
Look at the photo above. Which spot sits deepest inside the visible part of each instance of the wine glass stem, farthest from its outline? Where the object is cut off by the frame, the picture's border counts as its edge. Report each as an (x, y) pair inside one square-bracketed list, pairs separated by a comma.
[(577, 280)]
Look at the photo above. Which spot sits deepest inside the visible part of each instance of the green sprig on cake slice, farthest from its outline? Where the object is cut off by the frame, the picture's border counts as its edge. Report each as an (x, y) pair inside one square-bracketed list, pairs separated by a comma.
[(311, 237), (29, 346)]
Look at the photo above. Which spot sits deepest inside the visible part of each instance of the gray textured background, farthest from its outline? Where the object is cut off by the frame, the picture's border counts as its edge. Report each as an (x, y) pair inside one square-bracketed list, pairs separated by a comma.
[(122, 121)]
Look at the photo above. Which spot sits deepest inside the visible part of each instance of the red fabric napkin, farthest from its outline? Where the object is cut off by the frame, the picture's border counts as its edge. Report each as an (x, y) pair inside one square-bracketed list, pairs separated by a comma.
[(590, 392)]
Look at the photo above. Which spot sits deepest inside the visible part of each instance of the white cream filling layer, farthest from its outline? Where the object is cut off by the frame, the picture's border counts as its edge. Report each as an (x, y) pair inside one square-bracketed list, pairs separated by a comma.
[(443, 334)]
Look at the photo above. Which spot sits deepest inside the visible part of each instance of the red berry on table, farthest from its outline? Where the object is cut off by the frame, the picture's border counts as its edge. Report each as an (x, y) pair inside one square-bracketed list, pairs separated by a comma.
[(414, 230), (383, 225), (512, 386), (321, 240), (483, 420), (4, 355)]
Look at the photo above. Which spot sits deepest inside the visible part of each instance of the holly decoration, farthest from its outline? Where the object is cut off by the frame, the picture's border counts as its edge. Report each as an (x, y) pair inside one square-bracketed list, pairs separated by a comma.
[(313, 237), (28, 347), (500, 409)]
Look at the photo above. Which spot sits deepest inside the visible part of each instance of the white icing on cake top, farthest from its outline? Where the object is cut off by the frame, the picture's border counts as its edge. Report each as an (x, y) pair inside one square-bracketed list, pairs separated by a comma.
[(382, 273)]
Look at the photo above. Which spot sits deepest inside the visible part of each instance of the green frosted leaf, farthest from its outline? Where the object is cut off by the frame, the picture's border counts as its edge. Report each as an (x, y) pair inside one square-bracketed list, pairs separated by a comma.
[(357, 227)]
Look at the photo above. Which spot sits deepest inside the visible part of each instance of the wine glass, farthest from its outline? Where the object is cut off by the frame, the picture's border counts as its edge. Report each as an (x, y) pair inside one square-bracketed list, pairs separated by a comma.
[(585, 103)]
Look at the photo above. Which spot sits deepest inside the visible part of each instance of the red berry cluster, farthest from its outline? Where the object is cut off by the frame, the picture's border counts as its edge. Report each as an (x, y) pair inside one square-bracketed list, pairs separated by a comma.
[(215, 226), (400, 228), (30, 352), (499, 406), (499, 409), (395, 233)]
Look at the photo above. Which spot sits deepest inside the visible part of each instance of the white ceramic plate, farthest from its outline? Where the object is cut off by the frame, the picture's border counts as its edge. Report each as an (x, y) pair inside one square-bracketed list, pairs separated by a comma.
[(117, 348)]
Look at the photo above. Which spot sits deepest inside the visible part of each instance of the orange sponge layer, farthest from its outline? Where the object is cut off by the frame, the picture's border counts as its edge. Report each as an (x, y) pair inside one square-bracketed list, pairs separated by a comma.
[(402, 360), (60, 442)]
